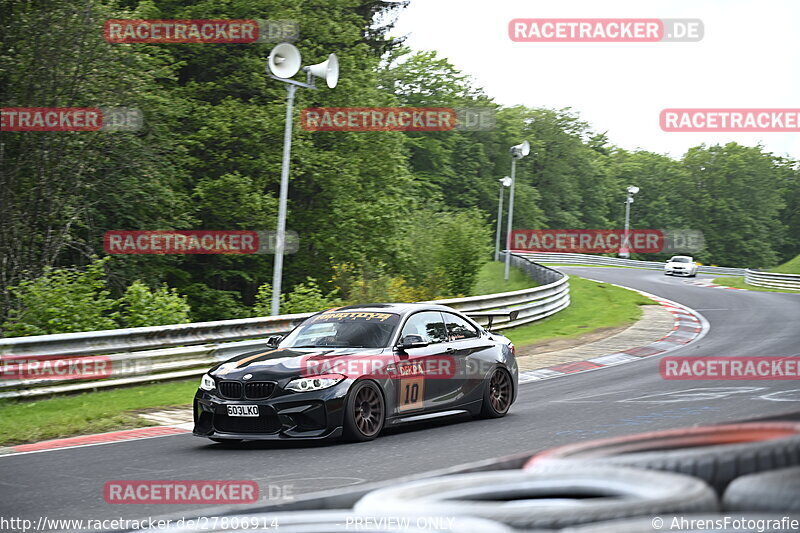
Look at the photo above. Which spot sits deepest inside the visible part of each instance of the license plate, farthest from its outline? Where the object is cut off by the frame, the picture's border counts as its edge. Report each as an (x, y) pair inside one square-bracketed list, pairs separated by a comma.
[(242, 410)]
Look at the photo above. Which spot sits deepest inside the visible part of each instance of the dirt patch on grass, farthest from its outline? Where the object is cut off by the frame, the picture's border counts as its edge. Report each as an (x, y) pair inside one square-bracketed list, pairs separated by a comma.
[(555, 345)]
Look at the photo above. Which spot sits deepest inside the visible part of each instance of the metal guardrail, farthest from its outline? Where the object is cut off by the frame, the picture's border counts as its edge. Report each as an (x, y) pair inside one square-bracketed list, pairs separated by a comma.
[(772, 280), (588, 259), (160, 353)]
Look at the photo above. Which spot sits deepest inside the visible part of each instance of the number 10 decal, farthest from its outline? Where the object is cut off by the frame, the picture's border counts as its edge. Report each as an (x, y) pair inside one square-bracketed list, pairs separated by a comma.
[(411, 392)]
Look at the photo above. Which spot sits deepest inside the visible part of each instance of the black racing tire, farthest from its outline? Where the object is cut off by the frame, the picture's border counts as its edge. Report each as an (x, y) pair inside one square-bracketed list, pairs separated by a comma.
[(365, 412), (705, 523), (520, 499), (498, 394), (716, 454), (776, 491)]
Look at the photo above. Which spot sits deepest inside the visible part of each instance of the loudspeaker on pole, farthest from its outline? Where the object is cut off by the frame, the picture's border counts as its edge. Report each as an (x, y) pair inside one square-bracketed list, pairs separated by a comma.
[(284, 60), (328, 70)]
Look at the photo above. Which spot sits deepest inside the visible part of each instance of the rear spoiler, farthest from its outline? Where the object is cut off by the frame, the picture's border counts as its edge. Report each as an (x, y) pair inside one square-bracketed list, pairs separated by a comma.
[(491, 315)]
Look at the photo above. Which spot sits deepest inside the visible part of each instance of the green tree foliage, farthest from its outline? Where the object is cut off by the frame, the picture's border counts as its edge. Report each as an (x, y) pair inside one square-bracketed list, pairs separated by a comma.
[(345, 187), (731, 196), (62, 190), (305, 297), (441, 250), (66, 300), (61, 301), (381, 216), (140, 306), (369, 283)]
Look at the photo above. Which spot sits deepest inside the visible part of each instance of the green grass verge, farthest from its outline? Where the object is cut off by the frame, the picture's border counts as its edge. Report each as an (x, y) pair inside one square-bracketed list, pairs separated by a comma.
[(86, 413), (593, 305), (490, 279), (791, 266), (738, 283)]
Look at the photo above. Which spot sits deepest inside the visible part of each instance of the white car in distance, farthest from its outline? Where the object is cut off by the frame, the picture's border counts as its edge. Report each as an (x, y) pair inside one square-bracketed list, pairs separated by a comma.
[(681, 265)]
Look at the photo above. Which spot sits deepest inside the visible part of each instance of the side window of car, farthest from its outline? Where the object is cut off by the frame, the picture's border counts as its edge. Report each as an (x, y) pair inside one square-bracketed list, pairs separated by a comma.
[(428, 324), (458, 328)]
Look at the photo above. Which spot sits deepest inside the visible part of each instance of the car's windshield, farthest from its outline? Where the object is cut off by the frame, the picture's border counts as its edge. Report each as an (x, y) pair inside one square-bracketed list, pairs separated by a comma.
[(344, 329), (680, 259)]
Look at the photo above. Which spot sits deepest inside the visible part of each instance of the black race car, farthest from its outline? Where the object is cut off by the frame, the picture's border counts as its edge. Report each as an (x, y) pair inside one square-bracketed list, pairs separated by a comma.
[(351, 371)]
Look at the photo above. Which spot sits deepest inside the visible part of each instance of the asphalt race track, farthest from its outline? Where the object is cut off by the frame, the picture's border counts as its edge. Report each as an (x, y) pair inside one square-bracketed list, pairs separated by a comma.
[(611, 401)]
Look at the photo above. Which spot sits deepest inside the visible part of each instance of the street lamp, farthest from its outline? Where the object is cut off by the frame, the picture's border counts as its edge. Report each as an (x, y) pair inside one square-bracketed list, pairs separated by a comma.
[(284, 62), (517, 152), (623, 249), (504, 182)]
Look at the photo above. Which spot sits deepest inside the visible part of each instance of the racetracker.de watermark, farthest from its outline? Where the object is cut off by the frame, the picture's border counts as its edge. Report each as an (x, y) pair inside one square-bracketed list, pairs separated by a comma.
[(387, 366), (730, 368), (199, 523), (55, 367), (66, 367), (228, 31), (71, 119), (730, 120), (592, 241), (379, 367), (397, 118), (235, 242), (589, 30), (180, 492)]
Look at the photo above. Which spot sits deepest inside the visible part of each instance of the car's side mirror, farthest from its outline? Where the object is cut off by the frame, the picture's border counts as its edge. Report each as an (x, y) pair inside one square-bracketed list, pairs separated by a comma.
[(274, 341), (412, 341)]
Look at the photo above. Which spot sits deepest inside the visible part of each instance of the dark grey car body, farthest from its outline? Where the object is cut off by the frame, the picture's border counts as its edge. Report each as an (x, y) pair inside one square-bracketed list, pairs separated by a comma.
[(260, 378)]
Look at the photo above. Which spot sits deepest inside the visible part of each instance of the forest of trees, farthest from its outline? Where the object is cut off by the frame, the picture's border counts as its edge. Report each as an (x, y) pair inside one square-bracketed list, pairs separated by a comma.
[(379, 214)]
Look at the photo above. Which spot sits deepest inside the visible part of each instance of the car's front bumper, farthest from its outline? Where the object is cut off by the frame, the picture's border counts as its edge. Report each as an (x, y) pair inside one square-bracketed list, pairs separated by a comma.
[(677, 272), (312, 415)]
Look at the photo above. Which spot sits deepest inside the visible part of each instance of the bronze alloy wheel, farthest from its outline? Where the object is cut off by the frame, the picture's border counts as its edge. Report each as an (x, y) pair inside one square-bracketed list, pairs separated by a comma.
[(500, 391), (498, 395), (367, 411), (364, 413)]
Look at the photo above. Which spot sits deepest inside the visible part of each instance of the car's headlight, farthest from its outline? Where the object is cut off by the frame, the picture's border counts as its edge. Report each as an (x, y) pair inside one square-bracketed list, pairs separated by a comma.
[(314, 382), (207, 382)]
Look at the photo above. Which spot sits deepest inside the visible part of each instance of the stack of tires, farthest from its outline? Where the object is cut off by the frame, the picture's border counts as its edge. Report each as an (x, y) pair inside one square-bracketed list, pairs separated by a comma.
[(742, 477)]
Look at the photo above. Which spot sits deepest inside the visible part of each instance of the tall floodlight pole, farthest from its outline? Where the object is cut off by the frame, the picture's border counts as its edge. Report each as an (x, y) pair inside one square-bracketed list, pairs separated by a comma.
[(284, 62), (504, 182), (280, 232), (623, 249), (517, 152)]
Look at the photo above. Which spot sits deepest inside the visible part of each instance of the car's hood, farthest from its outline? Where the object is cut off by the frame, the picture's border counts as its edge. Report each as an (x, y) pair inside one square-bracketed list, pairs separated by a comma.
[(290, 362), (676, 263)]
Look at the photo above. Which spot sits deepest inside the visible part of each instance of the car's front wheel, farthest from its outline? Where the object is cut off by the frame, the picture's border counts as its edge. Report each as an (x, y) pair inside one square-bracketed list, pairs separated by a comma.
[(364, 412), (498, 394)]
